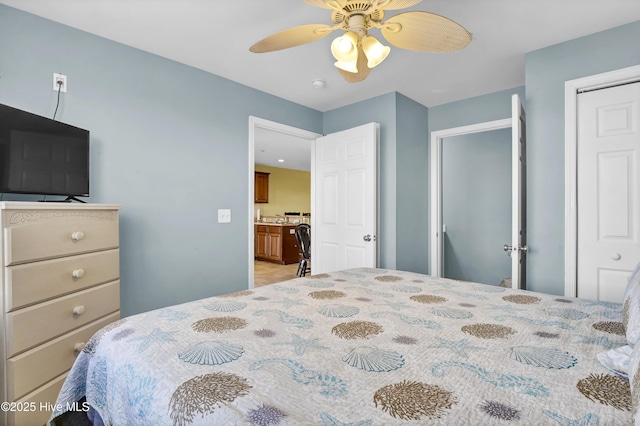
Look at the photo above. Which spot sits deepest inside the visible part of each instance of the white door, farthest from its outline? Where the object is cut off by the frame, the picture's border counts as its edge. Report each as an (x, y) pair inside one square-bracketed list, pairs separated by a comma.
[(344, 200), (608, 190), (519, 195)]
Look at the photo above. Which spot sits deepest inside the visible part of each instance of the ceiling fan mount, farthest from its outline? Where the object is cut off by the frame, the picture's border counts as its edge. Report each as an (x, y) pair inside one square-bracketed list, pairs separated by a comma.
[(357, 23), (357, 51), (342, 15)]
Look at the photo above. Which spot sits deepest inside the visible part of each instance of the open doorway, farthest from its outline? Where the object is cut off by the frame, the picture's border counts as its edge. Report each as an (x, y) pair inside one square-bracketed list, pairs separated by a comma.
[(476, 206), (437, 223), (518, 248), (279, 142)]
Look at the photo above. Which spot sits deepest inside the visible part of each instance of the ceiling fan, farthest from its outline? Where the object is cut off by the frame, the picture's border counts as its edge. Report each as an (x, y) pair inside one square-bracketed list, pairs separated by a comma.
[(356, 51)]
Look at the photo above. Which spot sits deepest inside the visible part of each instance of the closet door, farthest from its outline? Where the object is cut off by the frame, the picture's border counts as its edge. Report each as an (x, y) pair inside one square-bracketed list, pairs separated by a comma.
[(608, 190)]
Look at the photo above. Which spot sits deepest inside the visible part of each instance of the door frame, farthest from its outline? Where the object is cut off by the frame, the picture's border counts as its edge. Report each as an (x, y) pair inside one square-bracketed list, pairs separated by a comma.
[(436, 258), (571, 90), (254, 123)]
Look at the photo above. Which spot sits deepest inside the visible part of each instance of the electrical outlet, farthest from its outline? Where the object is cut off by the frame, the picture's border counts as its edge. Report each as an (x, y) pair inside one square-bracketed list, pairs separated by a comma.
[(59, 78)]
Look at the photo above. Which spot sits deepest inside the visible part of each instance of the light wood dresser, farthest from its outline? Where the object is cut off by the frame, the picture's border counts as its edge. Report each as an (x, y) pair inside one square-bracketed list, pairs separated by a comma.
[(60, 283)]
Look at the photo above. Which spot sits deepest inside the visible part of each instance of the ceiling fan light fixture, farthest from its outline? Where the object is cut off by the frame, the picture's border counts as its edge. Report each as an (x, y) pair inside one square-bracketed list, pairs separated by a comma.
[(375, 51), (349, 66), (345, 47), (356, 52)]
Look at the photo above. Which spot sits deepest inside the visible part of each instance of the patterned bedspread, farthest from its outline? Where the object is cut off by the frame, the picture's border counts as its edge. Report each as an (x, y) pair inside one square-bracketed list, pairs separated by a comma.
[(359, 347)]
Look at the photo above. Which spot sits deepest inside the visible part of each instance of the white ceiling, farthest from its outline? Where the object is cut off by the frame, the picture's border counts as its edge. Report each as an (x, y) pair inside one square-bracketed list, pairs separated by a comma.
[(272, 146), (215, 36)]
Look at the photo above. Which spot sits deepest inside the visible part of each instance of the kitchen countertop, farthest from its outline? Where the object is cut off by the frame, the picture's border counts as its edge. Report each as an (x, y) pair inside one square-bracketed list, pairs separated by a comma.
[(276, 224)]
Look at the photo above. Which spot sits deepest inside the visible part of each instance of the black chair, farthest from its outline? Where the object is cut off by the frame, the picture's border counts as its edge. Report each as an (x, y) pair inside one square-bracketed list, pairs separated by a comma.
[(303, 237)]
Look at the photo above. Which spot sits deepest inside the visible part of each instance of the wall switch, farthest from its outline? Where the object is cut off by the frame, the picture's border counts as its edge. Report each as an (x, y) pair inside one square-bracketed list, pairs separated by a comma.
[(224, 215), (59, 78)]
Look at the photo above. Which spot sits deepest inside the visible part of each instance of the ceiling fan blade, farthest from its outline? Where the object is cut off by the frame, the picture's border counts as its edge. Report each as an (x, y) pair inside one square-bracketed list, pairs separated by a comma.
[(291, 37), (363, 69), (325, 4), (425, 32), (396, 4)]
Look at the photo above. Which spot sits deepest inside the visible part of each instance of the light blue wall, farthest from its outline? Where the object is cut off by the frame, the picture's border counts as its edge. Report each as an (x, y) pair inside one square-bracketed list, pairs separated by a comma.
[(168, 142), (546, 72), (412, 193), (476, 206), (479, 109)]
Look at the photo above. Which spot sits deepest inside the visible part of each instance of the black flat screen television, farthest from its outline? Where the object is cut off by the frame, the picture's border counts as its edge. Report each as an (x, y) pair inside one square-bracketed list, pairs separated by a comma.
[(39, 155)]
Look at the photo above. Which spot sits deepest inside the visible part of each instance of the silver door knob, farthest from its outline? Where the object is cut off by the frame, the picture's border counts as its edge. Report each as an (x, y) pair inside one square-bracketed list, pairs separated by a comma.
[(367, 237), (510, 249)]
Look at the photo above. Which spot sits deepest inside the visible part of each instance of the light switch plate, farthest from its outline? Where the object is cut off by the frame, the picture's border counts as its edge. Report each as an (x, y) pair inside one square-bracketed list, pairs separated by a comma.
[(224, 215)]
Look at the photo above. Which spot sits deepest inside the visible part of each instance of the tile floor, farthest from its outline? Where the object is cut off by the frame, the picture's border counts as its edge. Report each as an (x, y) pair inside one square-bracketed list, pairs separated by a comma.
[(269, 273)]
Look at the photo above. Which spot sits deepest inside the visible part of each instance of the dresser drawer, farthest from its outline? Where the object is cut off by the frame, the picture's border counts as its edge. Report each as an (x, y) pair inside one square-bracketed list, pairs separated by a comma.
[(39, 240), (35, 324), (34, 282), (43, 399), (31, 369)]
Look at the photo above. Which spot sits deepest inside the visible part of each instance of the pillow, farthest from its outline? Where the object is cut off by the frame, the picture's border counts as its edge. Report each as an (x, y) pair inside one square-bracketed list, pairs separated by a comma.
[(617, 360), (631, 316), (633, 281), (634, 382), (631, 307)]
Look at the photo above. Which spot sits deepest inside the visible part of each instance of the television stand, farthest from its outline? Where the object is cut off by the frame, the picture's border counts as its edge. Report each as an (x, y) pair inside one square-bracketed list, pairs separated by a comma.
[(69, 199)]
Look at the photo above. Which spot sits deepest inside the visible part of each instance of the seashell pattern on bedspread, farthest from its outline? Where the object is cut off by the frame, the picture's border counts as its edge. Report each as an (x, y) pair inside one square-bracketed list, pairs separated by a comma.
[(358, 347)]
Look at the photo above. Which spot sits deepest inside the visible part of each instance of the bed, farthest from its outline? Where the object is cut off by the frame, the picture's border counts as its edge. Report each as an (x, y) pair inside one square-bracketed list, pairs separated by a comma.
[(358, 347)]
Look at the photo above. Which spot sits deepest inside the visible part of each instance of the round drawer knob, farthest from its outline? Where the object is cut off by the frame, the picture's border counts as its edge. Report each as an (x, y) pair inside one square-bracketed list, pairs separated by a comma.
[(615, 256), (78, 273), (78, 310), (78, 347), (77, 236)]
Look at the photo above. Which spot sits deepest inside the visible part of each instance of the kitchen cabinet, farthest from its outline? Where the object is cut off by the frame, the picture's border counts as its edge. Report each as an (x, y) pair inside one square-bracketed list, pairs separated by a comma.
[(261, 187), (276, 243)]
